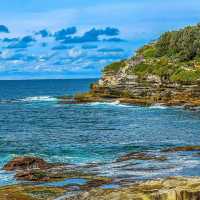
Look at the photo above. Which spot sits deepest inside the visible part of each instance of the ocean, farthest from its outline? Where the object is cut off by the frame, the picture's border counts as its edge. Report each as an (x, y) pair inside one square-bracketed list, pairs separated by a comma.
[(34, 122)]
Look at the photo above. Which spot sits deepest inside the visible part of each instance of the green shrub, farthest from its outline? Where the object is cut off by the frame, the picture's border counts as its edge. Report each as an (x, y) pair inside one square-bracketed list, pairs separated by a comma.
[(114, 67), (186, 76), (142, 69), (160, 67), (183, 44), (39, 174), (148, 51), (174, 57)]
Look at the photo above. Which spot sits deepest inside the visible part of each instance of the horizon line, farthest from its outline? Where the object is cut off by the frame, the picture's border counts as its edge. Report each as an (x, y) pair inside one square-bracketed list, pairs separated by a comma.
[(35, 79)]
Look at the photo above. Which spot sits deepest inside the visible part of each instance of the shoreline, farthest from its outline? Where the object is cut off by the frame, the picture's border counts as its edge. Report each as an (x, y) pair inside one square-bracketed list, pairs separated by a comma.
[(43, 180), (193, 105)]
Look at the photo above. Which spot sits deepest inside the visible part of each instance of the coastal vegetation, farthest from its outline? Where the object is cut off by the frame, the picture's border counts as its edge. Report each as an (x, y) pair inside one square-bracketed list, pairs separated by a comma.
[(114, 67), (165, 71), (175, 57)]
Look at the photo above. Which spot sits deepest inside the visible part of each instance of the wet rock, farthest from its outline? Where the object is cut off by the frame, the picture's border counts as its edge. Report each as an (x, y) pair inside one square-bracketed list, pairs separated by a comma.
[(53, 174), (66, 100), (37, 170), (96, 182), (33, 175), (64, 97), (26, 163), (191, 107), (27, 192), (140, 156), (182, 148), (176, 188)]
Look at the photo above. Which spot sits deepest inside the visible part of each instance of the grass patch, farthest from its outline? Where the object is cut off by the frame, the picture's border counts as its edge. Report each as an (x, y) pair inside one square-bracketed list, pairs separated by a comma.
[(185, 76), (114, 67)]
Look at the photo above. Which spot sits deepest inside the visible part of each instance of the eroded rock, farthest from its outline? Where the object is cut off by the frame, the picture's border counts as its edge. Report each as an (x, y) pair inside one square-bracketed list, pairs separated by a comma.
[(49, 175), (27, 192), (33, 175), (182, 148), (140, 156), (26, 163), (96, 182)]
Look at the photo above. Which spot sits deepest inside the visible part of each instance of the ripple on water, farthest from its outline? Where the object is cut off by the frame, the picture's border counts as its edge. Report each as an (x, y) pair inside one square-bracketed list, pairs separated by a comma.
[(93, 133)]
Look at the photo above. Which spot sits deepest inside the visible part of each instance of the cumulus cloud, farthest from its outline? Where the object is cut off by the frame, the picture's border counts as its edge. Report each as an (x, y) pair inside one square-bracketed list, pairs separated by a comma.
[(92, 35), (10, 40), (5, 54), (62, 34), (21, 57), (19, 45), (63, 51), (15, 57), (43, 33), (22, 43), (75, 53), (110, 31), (27, 39), (4, 29)]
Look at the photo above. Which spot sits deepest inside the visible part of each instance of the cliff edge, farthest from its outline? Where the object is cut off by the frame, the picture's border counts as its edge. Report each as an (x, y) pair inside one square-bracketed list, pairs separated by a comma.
[(166, 71)]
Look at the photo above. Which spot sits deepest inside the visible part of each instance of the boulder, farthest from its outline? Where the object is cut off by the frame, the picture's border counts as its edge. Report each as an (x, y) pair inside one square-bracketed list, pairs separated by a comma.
[(26, 163)]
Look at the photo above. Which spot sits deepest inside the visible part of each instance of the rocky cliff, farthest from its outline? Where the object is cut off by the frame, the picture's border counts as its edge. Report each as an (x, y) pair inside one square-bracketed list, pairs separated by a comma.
[(166, 71)]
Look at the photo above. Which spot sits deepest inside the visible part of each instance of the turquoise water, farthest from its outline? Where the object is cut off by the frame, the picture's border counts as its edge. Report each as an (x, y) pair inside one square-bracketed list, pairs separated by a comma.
[(110, 186), (34, 122), (69, 181)]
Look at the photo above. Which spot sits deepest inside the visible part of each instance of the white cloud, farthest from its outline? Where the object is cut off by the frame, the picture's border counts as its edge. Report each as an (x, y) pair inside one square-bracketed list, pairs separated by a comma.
[(75, 53), (5, 53)]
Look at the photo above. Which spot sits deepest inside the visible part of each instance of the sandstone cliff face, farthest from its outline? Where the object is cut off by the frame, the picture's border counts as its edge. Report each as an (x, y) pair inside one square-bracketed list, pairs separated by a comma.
[(152, 88)]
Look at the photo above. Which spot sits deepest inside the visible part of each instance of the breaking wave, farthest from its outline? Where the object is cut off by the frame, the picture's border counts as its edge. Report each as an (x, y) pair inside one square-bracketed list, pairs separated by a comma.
[(158, 106), (115, 103), (39, 98)]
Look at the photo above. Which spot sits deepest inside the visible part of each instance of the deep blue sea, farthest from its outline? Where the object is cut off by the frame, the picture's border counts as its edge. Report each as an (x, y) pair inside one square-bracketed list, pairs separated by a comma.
[(34, 122)]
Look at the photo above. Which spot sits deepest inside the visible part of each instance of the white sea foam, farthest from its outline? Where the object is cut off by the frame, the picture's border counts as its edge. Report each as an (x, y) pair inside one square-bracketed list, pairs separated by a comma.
[(114, 103), (158, 106), (39, 98), (117, 103)]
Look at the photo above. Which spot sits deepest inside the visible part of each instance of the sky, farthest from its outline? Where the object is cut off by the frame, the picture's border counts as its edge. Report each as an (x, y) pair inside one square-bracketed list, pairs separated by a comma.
[(77, 38)]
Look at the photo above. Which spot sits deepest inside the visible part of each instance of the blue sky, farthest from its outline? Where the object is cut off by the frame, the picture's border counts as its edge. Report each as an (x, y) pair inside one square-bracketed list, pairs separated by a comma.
[(77, 38)]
